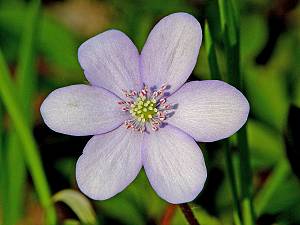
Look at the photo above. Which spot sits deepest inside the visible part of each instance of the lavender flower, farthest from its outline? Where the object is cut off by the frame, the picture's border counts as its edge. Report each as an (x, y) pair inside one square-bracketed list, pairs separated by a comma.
[(142, 114)]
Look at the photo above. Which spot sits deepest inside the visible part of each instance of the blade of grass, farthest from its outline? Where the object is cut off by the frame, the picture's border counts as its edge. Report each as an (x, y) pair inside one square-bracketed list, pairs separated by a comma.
[(211, 54), (230, 33), (15, 179), (215, 74), (231, 36), (279, 174), (26, 73), (26, 80), (237, 213), (245, 177), (30, 150), (3, 172), (1, 135), (1, 128)]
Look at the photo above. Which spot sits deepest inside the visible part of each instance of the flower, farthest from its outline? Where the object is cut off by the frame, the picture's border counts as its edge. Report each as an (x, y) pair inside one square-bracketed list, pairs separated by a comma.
[(142, 114)]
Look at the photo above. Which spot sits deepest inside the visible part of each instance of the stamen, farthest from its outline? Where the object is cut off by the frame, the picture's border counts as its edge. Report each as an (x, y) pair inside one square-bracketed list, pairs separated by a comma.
[(162, 101)]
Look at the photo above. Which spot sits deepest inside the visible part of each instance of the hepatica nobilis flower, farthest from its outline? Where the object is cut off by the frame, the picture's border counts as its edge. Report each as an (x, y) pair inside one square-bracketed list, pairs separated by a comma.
[(142, 114)]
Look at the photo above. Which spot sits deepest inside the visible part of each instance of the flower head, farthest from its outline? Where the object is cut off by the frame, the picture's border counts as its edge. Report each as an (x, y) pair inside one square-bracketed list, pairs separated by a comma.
[(142, 114)]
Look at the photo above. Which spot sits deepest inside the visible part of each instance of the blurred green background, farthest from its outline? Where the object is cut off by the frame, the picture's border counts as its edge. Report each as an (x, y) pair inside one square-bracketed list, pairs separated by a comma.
[(254, 45)]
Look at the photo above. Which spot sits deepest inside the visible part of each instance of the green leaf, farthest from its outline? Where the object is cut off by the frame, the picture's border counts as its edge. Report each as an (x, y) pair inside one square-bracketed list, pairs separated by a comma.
[(276, 183), (78, 203), (281, 195), (251, 44), (268, 154), (71, 222), (267, 95)]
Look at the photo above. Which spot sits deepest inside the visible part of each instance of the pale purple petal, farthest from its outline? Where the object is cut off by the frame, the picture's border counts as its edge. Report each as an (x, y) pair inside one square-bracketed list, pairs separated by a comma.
[(174, 165), (109, 163), (110, 60), (82, 110), (209, 110), (171, 51)]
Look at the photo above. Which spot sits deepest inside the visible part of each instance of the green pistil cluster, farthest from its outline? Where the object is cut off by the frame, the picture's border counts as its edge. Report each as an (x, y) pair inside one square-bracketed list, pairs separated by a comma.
[(143, 109)]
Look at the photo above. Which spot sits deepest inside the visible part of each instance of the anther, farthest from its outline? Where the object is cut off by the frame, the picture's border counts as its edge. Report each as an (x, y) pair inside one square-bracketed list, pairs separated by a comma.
[(121, 102)]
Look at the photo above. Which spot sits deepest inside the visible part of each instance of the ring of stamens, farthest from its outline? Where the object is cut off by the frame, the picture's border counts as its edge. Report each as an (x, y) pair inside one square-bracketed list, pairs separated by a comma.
[(145, 107)]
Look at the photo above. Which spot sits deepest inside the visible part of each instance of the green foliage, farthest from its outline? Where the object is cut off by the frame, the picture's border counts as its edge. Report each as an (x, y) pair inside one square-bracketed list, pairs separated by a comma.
[(266, 88), (79, 204), (51, 37), (269, 153), (31, 154), (71, 222), (26, 85), (138, 202)]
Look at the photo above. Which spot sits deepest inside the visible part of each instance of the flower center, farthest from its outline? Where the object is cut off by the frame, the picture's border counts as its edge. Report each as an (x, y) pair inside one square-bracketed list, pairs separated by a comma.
[(146, 108), (143, 109)]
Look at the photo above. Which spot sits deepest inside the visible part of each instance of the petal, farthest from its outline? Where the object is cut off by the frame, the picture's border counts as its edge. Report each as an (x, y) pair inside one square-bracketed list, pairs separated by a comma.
[(171, 50), (110, 60), (209, 110), (174, 165), (109, 163), (82, 110)]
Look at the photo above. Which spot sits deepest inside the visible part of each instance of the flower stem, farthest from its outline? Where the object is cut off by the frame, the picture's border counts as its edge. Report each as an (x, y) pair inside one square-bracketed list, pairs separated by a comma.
[(168, 215), (188, 213)]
